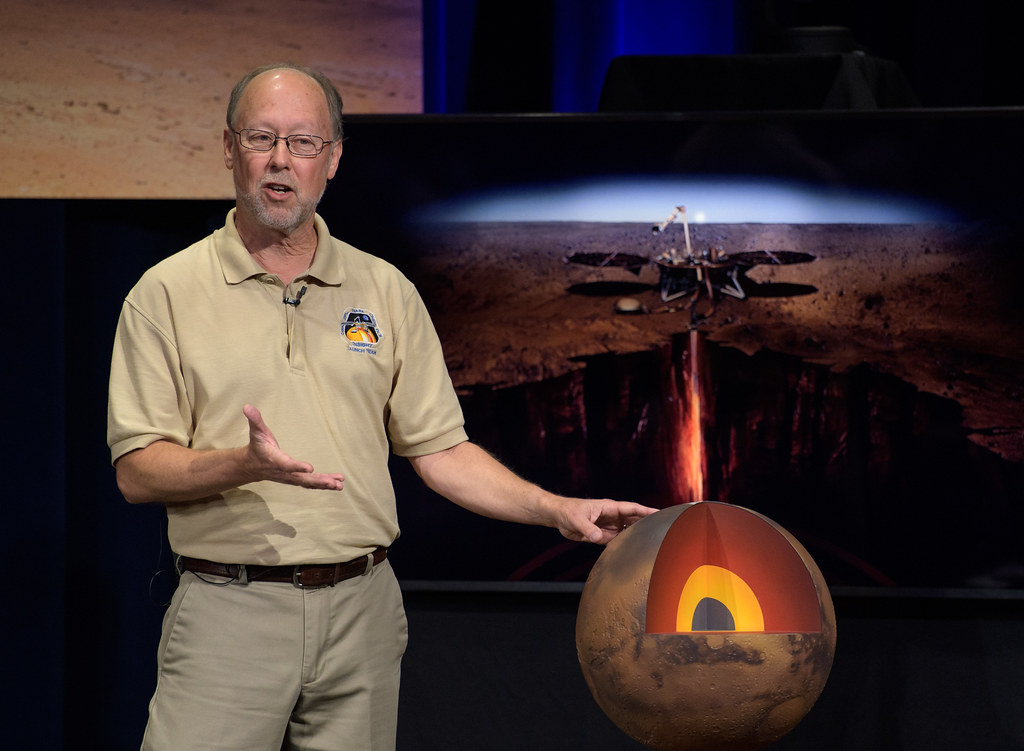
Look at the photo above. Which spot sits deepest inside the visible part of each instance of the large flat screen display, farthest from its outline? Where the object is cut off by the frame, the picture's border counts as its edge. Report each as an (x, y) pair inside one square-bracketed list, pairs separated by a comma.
[(812, 315)]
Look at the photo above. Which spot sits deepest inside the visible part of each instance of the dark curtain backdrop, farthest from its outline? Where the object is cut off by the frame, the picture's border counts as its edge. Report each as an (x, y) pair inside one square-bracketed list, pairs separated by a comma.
[(551, 55)]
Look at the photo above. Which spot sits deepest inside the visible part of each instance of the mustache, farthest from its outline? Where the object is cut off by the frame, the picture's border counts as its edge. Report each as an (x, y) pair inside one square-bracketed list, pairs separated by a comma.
[(272, 180)]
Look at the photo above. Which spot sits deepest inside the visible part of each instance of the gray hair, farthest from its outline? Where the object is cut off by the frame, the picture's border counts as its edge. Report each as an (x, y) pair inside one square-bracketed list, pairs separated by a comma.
[(330, 93)]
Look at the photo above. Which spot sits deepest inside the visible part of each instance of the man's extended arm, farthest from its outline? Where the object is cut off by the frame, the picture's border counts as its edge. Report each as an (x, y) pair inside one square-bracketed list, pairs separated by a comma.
[(472, 478), (165, 472)]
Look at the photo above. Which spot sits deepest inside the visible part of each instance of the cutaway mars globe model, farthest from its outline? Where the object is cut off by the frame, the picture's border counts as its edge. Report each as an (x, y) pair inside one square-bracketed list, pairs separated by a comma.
[(706, 627)]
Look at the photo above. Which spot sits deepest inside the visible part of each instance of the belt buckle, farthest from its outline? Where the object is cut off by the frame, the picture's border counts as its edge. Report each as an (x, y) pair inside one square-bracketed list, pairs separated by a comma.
[(296, 578), (370, 563)]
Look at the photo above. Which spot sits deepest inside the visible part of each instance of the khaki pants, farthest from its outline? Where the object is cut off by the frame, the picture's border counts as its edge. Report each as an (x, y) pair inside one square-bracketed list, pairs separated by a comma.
[(265, 665)]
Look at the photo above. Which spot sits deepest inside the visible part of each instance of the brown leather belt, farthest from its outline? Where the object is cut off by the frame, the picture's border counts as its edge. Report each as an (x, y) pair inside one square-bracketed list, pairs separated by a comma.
[(311, 576)]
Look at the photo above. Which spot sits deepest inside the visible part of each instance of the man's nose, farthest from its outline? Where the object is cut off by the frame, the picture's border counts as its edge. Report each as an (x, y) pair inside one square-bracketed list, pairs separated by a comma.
[(279, 153)]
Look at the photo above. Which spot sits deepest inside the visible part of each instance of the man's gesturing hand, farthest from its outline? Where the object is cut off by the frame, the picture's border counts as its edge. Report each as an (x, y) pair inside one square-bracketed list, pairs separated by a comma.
[(164, 472), (269, 462)]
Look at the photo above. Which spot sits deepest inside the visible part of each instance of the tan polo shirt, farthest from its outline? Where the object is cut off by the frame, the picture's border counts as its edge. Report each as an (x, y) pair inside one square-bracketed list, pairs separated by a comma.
[(355, 364)]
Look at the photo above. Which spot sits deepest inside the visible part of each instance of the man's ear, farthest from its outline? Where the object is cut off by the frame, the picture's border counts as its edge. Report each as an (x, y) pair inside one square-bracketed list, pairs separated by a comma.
[(335, 158), (229, 148)]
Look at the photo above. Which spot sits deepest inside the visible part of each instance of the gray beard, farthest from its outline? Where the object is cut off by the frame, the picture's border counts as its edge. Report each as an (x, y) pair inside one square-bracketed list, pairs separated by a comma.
[(283, 220)]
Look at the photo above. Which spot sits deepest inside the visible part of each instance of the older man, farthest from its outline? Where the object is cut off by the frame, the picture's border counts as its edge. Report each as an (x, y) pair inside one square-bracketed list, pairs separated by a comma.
[(287, 628)]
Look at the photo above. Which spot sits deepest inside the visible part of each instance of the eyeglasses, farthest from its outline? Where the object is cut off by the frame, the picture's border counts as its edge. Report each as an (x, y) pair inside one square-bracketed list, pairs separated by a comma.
[(298, 144)]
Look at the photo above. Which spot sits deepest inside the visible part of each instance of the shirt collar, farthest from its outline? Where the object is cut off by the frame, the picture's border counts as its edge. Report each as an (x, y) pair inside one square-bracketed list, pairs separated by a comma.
[(238, 265)]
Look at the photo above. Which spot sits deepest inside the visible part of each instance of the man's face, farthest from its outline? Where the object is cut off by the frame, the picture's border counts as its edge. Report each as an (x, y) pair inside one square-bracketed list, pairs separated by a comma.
[(274, 188)]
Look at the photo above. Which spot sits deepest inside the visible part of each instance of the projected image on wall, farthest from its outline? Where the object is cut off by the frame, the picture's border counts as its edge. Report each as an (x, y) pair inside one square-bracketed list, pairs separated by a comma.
[(127, 100)]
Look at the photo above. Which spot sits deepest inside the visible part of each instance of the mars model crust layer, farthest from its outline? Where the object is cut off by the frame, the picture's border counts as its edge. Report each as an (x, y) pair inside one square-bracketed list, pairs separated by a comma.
[(661, 636)]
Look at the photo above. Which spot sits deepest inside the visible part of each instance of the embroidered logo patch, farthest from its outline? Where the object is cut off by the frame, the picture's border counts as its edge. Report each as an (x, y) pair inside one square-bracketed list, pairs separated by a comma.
[(359, 327)]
